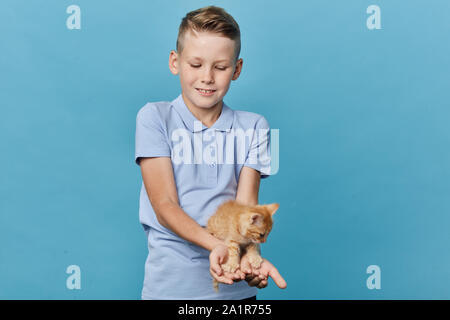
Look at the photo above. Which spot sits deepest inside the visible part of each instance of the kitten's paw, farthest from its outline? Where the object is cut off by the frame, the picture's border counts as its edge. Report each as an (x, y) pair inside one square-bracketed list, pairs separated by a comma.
[(230, 266), (255, 261)]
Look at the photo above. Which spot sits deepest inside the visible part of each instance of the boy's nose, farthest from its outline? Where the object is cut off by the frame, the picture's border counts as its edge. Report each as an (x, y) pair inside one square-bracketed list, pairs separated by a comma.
[(207, 81), (208, 77)]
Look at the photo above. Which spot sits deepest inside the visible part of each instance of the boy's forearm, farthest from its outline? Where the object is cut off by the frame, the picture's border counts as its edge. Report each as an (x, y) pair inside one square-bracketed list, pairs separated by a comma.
[(171, 216)]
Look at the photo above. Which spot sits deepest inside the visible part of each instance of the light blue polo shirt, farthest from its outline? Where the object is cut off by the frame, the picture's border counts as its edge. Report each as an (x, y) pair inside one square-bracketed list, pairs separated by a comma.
[(206, 164)]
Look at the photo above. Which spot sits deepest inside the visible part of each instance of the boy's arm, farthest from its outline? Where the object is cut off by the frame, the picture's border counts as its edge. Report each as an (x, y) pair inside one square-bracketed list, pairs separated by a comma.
[(157, 175), (247, 193), (248, 186)]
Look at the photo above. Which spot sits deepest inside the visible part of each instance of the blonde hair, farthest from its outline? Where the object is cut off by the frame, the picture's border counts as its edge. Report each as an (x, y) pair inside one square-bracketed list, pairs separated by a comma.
[(211, 19)]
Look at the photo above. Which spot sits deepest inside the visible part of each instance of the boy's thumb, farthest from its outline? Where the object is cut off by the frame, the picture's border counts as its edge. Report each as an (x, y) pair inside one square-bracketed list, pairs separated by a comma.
[(216, 266)]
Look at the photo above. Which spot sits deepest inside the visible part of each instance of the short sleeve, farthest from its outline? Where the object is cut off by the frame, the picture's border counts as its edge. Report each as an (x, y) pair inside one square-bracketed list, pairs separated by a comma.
[(258, 156), (151, 137)]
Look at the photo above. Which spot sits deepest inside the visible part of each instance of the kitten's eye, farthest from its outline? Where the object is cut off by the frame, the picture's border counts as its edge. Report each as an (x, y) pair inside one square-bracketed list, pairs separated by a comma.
[(262, 235)]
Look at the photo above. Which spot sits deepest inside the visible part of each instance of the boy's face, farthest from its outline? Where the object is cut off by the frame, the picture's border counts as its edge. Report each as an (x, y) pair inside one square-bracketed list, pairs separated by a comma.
[(206, 62)]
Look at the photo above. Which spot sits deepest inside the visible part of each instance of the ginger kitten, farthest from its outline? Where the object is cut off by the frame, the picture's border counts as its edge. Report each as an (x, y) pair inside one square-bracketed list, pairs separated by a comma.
[(242, 228)]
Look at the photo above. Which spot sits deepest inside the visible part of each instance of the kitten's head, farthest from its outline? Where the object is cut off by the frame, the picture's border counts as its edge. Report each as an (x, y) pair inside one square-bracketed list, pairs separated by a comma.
[(256, 222)]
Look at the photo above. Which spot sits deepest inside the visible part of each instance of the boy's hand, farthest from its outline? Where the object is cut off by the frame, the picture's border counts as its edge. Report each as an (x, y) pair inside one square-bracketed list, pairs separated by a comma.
[(259, 277), (218, 256)]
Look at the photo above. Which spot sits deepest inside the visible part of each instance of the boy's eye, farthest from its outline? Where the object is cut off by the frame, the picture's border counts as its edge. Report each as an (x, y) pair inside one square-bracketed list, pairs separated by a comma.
[(198, 66)]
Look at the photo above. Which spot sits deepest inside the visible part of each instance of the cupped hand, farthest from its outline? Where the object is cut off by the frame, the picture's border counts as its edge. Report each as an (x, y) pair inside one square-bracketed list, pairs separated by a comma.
[(259, 277), (217, 257)]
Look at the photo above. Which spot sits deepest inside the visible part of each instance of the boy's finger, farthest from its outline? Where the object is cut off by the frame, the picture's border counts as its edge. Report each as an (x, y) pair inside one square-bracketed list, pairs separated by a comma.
[(222, 259), (277, 278), (239, 275), (254, 282), (223, 279), (249, 277), (216, 266), (262, 284), (232, 276), (216, 269)]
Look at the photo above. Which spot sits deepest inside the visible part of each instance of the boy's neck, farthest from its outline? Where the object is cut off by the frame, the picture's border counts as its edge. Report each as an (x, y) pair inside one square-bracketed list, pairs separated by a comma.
[(207, 116)]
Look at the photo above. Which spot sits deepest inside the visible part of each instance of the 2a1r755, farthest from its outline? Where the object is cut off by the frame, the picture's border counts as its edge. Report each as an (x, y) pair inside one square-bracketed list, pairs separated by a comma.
[(247, 309)]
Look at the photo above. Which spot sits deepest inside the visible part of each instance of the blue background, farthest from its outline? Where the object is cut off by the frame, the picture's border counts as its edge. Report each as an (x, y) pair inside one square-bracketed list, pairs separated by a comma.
[(363, 116)]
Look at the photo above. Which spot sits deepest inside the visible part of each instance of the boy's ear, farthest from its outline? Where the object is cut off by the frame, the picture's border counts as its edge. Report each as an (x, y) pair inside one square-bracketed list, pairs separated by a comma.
[(238, 68), (173, 62)]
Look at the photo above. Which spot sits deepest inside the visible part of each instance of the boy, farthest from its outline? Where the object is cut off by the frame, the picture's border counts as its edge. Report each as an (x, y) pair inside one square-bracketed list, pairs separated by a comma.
[(179, 195)]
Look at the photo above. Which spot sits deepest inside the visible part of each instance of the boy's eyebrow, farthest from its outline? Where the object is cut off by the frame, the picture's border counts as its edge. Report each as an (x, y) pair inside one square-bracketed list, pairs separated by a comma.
[(222, 60)]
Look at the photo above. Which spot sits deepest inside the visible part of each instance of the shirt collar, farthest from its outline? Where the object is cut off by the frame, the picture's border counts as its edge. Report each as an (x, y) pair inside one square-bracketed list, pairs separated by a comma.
[(224, 122)]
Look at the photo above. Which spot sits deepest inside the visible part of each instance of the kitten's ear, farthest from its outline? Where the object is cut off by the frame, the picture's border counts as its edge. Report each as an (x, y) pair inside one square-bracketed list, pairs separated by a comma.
[(256, 218), (273, 207)]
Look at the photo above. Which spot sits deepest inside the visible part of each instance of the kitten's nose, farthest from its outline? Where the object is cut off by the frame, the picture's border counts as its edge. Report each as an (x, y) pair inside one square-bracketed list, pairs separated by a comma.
[(263, 237)]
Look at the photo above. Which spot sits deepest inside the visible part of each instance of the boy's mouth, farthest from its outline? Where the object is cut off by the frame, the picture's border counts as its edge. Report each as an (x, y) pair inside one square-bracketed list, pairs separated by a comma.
[(205, 92)]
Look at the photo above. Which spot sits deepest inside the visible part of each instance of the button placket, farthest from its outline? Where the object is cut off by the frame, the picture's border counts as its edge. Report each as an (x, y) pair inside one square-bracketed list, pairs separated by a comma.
[(213, 155), (212, 167)]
